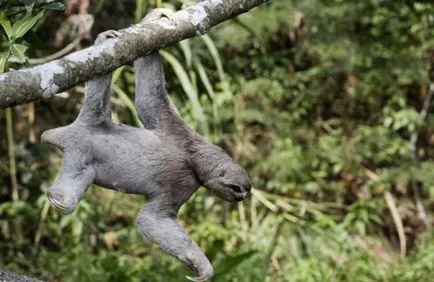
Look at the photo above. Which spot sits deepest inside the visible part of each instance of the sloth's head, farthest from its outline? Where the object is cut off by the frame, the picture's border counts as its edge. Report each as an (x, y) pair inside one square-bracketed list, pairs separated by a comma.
[(229, 181)]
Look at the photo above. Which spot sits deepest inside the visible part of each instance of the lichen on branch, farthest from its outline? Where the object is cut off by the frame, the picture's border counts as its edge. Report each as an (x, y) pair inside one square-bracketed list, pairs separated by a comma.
[(43, 81)]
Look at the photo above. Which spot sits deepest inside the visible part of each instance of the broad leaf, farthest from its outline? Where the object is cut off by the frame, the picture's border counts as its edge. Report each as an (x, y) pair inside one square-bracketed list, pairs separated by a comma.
[(19, 50), (6, 26), (231, 262), (3, 59), (22, 26)]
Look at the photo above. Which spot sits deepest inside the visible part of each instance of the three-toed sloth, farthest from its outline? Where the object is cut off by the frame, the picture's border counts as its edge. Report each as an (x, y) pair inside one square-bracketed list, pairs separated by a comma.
[(166, 160)]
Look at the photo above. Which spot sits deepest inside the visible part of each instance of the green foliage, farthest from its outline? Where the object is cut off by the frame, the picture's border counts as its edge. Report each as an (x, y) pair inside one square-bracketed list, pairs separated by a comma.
[(317, 99), (14, 32)]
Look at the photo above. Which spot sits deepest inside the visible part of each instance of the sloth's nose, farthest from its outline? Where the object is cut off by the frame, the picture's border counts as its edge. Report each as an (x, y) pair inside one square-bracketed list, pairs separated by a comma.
[(243, 189), (237, 188)]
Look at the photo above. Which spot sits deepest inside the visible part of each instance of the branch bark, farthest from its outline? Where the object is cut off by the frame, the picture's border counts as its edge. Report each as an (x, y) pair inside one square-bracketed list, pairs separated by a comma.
[(413, 142), (11, 276), (43, 81)]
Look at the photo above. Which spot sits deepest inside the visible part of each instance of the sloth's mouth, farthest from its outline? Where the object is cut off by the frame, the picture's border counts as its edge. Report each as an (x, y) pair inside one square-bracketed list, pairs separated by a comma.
[(241, 196)]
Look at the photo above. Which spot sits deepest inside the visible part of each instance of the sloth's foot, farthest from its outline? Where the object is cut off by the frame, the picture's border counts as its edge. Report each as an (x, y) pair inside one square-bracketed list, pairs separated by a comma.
[(67, 191), (198, 262), (159, 13), (62, 203), (103, 36)]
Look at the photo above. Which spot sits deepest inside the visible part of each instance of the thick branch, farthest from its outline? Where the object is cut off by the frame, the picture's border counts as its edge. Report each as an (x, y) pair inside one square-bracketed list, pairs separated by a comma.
[(43, 81), (11, 276), (413, 142)]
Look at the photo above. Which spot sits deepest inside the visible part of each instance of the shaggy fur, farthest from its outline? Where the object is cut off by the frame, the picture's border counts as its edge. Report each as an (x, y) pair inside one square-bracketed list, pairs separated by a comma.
[(166, 161)]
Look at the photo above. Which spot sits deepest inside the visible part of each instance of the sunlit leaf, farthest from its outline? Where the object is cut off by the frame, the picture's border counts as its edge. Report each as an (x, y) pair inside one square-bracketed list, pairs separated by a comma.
[(188, 89), (3, 59), (5, 23), (186, 49), (141, 6), (77, 228), (215, 55), (18, 50), (204, 78), (22, 26)]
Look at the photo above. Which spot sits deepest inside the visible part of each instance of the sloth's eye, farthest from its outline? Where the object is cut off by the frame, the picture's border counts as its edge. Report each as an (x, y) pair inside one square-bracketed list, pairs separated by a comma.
[(222, 173)]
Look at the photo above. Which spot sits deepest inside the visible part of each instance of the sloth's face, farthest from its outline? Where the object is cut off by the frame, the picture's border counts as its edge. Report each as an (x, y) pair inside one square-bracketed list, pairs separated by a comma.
[(231, 182)]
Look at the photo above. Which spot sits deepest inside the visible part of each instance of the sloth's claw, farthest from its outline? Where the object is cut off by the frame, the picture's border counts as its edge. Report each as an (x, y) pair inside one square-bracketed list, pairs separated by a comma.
[(57, 204), (61, 204), (159, 13), (103, 36), (198, 279)]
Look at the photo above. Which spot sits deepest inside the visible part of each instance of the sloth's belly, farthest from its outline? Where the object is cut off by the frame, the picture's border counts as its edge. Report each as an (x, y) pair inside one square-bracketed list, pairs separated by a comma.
[(137, 161)]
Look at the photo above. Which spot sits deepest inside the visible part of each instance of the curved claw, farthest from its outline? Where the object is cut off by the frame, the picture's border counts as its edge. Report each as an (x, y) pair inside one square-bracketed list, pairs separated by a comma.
[(199, 263), (198, 279), (103, 36), (62, 208), (159, 13)]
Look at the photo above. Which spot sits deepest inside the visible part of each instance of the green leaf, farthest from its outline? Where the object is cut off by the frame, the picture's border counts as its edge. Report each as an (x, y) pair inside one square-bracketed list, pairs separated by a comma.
[(231, 262), (22, 26), (188, 88), (124, 96), (6, 26), (141, 7), (64, 221), (3, 59), (214, 54), (214, 250), (186, 49), (204, 78), (77, 228), (18, 50), (360, 227), (57, 6)]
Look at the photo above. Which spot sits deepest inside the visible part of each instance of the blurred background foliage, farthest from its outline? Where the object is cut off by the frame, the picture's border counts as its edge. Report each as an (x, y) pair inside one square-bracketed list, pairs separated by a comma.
[(326, 103)]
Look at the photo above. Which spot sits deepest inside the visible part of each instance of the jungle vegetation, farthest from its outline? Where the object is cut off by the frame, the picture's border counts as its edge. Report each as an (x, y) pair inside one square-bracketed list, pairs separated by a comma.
[(326, 103)]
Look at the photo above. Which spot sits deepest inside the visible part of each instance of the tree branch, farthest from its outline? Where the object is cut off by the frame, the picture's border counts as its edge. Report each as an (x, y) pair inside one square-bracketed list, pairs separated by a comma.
[(43, 81), (413, 142)]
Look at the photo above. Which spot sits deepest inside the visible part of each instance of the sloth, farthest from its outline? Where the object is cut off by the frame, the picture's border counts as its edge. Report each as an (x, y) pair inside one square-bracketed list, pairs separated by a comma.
[(166, 161)]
